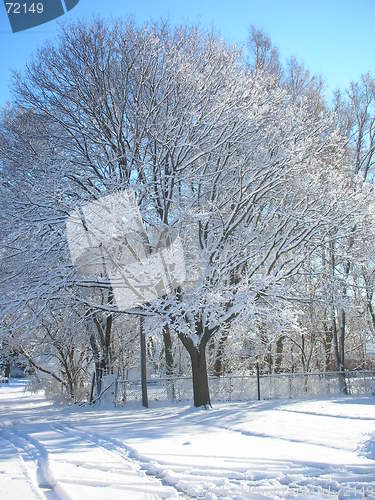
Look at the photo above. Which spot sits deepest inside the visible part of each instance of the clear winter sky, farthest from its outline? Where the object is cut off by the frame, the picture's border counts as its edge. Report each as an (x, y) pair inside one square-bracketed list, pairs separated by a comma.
[(335, 38)]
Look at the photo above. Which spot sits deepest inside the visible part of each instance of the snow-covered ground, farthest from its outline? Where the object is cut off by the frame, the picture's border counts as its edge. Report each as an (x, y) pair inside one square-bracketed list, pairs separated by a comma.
[(275, 449)]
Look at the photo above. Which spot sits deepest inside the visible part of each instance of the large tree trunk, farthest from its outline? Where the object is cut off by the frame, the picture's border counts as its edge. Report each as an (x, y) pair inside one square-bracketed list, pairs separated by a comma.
[(197, 354), (200, 377)]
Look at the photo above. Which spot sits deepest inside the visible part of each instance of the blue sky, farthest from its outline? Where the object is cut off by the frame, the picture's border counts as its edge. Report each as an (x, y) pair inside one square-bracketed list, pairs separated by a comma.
[(333, 37)]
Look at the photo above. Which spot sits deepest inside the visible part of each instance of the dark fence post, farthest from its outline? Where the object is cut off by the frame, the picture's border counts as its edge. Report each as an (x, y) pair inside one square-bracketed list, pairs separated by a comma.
[(258, 378), (92, 387), (143, 363)]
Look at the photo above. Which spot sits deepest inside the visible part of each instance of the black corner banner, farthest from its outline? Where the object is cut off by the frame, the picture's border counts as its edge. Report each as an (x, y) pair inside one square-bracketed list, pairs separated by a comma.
[(27, 14)]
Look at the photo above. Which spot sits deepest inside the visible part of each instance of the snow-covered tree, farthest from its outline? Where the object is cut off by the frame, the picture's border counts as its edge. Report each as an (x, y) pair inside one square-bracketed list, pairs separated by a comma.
[(243, 161)]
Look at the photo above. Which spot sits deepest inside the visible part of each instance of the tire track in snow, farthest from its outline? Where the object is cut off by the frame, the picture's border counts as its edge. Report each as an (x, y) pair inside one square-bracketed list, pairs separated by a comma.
[(328, 478), (30, 480), (31, 449), (129, 455), (154, 469)]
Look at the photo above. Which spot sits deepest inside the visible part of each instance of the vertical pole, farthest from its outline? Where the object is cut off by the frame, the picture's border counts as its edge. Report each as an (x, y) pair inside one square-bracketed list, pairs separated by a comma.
[(116, 389), (92, 387), (258, 378), (143, 363)]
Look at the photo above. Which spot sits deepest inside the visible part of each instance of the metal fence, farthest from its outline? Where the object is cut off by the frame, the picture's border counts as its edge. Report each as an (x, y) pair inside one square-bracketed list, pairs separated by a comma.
[(244, 387)]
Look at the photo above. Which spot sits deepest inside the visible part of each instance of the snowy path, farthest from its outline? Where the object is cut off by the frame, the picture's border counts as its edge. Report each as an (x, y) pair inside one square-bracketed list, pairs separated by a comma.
[(42, 457), (280, 449)]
